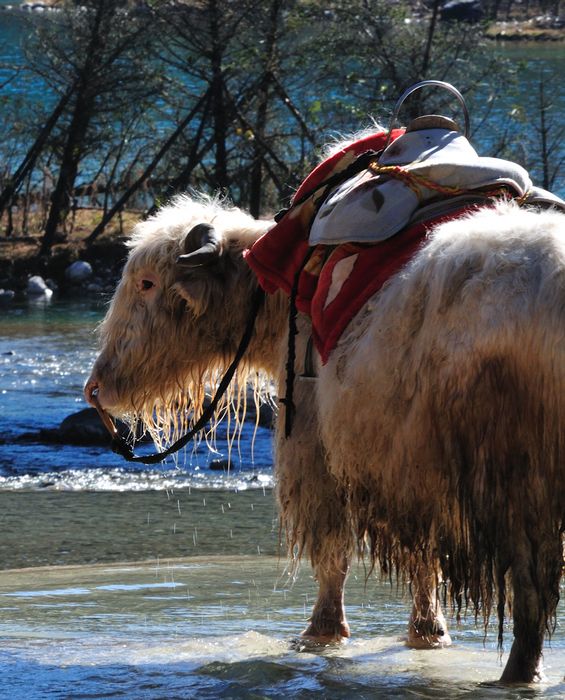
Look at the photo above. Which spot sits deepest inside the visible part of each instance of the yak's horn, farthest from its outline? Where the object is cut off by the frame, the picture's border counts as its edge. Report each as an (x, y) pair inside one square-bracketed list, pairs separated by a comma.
[(202, 246)]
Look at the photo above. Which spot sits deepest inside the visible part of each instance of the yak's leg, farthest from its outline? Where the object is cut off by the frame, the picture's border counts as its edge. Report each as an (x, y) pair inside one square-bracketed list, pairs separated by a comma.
[(427, 628), (312, 509), (328, 623), (313, 515), (535, 575)]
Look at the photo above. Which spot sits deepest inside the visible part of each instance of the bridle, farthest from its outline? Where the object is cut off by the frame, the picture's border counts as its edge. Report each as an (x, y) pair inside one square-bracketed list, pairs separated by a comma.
[(122, 447)]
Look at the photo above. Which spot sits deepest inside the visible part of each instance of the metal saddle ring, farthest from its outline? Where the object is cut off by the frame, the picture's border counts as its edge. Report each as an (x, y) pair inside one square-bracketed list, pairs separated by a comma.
[(417, 86)]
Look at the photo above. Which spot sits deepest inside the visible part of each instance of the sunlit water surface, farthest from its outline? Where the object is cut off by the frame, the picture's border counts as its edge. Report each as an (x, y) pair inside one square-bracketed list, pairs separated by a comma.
[(172, 582), (211, 627)]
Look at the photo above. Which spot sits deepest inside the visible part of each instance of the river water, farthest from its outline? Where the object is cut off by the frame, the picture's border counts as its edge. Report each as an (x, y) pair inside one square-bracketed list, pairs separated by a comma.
[(170, 582)]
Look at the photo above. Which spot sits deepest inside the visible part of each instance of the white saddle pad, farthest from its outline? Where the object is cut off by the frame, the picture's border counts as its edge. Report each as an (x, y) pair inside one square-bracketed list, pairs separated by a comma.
[(369, 208)]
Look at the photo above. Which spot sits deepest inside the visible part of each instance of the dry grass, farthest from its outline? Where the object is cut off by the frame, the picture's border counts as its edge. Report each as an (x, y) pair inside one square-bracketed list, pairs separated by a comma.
[(19, 252)]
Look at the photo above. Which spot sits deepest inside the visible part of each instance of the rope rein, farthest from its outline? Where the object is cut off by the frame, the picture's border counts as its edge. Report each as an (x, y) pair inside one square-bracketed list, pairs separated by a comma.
[(287, 401)]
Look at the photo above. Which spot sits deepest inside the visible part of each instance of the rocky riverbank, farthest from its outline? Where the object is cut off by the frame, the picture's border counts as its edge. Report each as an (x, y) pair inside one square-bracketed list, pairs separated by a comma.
[(71, 269), (541, 28)]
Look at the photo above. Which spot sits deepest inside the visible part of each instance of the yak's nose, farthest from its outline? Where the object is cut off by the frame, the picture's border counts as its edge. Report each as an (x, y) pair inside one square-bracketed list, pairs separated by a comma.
[(99, 394), (91, 388), (91, 391)]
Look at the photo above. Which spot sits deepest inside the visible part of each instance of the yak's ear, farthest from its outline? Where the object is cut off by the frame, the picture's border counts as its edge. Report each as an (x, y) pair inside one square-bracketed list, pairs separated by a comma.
[(198, 289)]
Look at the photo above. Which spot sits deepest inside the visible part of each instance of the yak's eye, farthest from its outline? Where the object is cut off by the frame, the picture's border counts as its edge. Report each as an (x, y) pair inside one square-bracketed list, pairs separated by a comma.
[(146, 282)]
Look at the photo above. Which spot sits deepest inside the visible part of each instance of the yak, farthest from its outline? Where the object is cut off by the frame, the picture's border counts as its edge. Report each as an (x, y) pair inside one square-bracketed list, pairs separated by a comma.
[(433, 436)]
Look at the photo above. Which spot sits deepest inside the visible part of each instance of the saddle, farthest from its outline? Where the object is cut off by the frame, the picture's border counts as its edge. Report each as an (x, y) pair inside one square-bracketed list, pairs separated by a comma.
[(430, 169), (363, 213)]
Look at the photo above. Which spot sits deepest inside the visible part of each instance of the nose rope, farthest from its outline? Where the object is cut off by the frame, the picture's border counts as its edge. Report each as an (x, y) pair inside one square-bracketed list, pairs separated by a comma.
[(121, 446), (105, 417)]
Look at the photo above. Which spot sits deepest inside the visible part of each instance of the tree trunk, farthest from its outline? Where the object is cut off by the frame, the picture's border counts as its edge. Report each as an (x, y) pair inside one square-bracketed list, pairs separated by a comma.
[(220, 128), (72, 153), (134, 187), (81, 117), (28, 163), (256, 178), (182, 179), (431, 31)]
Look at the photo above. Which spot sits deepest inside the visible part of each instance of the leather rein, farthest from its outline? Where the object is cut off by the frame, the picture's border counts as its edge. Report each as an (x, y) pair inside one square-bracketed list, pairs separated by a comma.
[(123, 448)]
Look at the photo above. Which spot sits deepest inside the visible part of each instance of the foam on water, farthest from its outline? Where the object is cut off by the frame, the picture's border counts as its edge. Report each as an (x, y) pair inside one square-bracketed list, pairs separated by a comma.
[(122, 480)]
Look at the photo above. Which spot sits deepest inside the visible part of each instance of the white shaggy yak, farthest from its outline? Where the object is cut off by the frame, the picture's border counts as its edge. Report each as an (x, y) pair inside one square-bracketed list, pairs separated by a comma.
[(435, 435)]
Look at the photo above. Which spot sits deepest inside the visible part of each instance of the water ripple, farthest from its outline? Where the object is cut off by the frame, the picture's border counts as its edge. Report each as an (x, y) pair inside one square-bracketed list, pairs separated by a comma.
[(118, 479)]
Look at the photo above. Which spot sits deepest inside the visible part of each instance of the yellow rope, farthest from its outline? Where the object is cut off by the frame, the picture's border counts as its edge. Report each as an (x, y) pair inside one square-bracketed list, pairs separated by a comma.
[(413, 180), (522, 200)]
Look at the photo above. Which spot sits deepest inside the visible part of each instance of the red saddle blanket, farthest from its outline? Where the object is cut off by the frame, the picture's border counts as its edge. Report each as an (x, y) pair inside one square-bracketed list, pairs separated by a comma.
[(336, 281)]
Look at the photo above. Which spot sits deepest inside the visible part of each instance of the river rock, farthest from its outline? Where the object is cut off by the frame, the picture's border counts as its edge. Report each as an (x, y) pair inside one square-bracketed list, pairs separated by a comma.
[(6, 296), (81, 428), (37, 7), (267, 415), (462, 11), (267, 412), (220, 465), (36, 287), (95, 287), (78, 272), (85, 428)]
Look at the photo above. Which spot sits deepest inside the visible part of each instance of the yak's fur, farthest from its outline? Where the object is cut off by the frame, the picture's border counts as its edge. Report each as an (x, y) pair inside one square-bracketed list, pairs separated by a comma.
[(453, 382), (435, 432)]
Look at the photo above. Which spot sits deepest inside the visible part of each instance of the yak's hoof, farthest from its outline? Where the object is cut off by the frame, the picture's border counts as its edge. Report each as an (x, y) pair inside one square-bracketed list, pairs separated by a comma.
[(514, 674), (428, 635), (319, 636)]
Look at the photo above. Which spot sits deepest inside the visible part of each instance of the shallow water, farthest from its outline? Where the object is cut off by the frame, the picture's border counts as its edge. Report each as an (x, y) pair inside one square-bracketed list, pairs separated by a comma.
[(42, 527), (171, 582), (198, 602), (211, 627)]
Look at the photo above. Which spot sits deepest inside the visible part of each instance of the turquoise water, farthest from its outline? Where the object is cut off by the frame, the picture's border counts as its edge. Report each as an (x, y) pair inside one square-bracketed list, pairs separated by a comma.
[(27, 89), (490, 114)]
